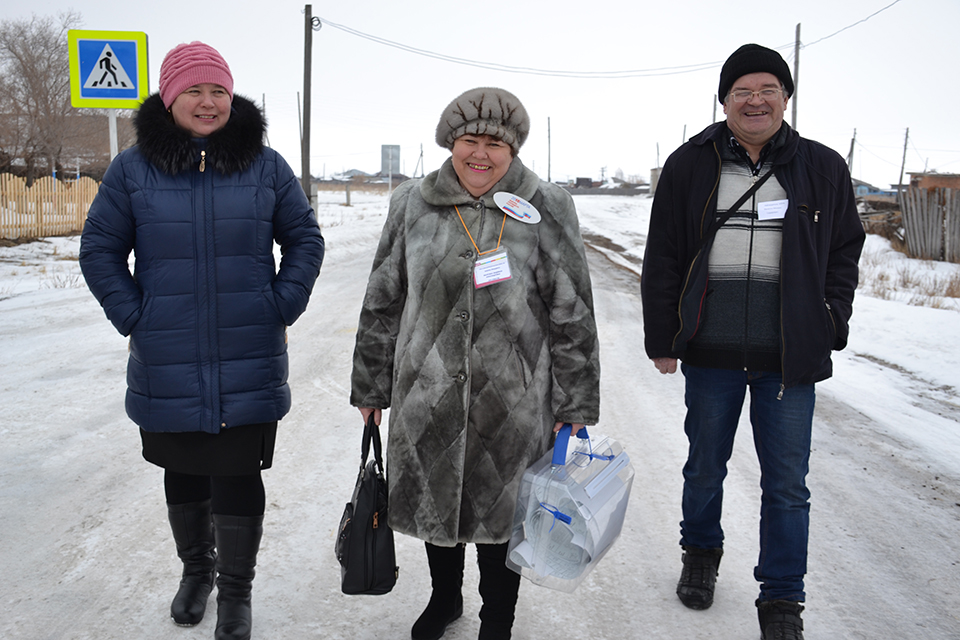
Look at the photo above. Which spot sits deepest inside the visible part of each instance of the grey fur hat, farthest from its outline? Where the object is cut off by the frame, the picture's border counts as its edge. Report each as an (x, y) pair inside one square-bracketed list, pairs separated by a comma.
[(485, 111)]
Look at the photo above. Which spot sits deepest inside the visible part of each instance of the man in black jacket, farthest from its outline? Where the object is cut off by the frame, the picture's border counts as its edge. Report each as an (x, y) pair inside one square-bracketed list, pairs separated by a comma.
[(750, 293)]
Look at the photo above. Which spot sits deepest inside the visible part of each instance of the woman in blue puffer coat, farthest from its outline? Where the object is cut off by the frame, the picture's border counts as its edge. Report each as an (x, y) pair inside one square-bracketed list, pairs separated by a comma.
[(200, 201)]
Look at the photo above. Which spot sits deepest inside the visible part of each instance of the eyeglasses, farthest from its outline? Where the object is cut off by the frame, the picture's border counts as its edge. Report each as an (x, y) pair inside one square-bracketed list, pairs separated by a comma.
[(742, 95)]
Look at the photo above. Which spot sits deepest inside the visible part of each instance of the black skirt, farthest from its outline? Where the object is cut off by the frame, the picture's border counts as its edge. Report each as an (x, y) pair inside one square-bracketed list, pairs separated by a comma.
[(238, 451)]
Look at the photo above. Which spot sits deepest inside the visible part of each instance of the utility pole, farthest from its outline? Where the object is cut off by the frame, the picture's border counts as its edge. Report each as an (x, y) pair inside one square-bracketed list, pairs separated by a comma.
[(796, 78), (548, 150), (263, 102), (853, 141), (419, 163), (310, 23), (903, 164)]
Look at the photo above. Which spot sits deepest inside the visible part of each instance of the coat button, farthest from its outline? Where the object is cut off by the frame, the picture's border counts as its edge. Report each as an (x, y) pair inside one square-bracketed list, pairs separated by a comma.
[(467, 254), (461, 377), (464, 315), (478, 205)]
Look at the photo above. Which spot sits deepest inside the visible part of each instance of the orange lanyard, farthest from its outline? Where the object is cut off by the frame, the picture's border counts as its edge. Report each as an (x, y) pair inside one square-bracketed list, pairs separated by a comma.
[(480, 253)]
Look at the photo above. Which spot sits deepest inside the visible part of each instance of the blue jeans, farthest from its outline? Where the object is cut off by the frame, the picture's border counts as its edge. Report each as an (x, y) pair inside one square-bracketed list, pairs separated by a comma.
[(781, 434)]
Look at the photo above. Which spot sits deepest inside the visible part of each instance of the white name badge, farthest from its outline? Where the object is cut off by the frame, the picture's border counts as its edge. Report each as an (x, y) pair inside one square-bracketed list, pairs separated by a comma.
[(772, 209), (516, 207), (491, 269)]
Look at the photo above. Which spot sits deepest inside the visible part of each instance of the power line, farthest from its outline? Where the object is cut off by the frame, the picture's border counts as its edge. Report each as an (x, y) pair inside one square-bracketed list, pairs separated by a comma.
[(631, 73), (602, 75), (866, 149), (850, 26)]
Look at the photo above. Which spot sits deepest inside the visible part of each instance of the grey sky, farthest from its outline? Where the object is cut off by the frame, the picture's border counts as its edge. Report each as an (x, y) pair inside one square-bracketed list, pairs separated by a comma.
[(878, 77)]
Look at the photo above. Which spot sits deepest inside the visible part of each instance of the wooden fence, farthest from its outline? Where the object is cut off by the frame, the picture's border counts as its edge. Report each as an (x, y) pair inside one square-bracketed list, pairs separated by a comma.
[(931, 223), (48, 208)]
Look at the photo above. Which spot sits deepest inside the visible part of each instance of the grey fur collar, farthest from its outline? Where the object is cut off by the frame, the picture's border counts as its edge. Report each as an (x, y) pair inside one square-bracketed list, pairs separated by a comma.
[(442, 187), (172, 149)]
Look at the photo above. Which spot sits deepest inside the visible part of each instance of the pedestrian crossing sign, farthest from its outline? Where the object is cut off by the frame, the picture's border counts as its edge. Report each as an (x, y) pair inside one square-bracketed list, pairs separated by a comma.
[(108, 69)]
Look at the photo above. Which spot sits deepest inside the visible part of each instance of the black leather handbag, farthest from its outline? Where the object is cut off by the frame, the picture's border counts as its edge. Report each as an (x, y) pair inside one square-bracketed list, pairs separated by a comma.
[(364, 547)]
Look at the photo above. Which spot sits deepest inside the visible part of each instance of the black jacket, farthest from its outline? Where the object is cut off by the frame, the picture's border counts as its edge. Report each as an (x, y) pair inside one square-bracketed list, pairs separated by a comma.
[(822, 239)]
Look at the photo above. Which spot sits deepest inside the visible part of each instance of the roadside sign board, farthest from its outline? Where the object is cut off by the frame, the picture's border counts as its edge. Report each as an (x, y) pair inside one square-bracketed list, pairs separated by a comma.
[(108, 69)]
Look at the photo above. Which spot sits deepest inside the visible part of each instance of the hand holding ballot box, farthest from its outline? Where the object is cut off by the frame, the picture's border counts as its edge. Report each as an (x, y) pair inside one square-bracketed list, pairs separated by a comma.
[(570, 510)]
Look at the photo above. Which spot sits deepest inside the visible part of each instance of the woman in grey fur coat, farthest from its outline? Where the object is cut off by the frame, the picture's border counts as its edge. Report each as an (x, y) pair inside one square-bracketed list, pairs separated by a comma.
[(478, 332)]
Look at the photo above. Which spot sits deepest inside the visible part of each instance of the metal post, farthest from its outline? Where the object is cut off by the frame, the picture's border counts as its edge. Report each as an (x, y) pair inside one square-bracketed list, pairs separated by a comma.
[(112, 118), (796, 78), (307, 70)]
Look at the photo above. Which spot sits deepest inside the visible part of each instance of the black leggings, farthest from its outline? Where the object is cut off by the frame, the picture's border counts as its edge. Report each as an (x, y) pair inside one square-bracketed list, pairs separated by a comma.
[(228, 495)]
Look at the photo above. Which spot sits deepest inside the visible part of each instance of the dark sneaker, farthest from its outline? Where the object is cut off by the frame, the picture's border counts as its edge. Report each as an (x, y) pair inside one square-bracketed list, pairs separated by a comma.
[(699, 577), (780, 620)]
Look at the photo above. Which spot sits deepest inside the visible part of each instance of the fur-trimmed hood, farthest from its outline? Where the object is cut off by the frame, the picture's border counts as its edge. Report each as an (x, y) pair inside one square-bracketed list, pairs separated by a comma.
[(206, 307), (172, 149)]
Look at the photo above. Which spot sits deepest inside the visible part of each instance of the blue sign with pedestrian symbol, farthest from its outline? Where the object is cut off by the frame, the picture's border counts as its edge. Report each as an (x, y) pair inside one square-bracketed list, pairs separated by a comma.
[(108, 69)]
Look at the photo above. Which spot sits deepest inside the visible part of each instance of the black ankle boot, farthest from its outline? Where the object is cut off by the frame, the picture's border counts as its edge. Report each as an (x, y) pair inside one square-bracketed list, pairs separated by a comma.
[(238, 540), (698, 580), (780, 620), (499, 588), (192, 528), (446, 599)]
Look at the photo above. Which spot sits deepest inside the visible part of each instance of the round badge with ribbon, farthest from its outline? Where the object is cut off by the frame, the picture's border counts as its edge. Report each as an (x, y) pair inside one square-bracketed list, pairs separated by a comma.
[(516, 207)]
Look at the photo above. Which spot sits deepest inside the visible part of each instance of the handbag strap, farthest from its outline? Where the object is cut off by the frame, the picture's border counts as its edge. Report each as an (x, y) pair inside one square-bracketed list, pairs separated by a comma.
[(719, 221), (371, 433)]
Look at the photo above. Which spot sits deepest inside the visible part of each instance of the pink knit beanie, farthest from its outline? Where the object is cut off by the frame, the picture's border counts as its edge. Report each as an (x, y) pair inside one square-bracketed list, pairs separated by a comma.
[(188, 64)]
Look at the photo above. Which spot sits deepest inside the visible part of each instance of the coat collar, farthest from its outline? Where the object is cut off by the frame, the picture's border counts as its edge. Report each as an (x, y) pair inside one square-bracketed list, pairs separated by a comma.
[(172, 149), (442, 187), (784, 143)]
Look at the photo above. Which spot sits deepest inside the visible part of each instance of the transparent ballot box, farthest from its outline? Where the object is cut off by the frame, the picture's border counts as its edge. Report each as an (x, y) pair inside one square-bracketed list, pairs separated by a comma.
[(570, 510)]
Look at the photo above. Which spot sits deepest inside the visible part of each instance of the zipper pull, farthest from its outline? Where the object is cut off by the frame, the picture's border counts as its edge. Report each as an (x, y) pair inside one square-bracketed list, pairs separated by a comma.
[(780, 395), (376, 519), (203, 160), (816, 216)]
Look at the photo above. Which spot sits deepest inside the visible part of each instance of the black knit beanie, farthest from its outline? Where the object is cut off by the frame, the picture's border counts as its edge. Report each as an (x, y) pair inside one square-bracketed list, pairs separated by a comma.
[(752, 58)]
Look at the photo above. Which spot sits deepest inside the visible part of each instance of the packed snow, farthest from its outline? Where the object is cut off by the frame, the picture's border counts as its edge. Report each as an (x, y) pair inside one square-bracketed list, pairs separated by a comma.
[(87, 552)]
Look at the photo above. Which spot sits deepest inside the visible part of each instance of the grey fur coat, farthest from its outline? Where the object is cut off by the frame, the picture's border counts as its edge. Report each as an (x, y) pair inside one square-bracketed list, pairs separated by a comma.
[(474, 378)]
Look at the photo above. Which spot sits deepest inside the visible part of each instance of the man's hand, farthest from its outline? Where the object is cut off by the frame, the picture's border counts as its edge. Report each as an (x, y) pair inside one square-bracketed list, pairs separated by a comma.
[(665, 365)]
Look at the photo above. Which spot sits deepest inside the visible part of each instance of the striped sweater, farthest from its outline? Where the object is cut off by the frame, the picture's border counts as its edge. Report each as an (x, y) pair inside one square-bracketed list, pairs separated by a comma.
[(741, 319)]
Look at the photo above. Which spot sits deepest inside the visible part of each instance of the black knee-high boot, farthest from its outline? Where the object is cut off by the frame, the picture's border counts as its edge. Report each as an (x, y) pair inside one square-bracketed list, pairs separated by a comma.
[(499, 588), (192, 527), (238, 540), (446, 599)]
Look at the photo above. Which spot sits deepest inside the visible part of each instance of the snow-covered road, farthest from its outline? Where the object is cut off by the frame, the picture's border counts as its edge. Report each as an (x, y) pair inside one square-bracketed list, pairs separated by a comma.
[(87, 554)]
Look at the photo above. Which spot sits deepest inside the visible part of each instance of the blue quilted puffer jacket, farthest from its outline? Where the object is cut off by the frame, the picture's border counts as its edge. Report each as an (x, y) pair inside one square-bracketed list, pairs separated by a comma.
[(206, 308)]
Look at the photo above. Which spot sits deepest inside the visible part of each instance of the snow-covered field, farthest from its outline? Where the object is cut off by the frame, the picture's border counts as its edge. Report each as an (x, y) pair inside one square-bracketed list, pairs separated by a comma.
[(87, 551)]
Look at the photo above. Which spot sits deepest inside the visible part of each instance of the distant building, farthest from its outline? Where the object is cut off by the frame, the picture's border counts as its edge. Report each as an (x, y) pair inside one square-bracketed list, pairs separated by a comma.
[(863, 189), (934, 180)]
